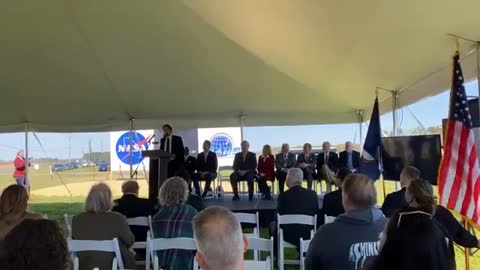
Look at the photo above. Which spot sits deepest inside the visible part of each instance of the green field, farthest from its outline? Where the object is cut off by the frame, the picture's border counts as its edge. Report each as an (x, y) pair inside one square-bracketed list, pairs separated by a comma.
[(58, 202)]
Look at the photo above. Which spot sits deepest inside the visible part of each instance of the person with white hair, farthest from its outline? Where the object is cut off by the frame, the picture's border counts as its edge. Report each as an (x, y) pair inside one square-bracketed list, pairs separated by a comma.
[(295, 201), (219, 238), (98, 222), (174, 219), (349, 158)]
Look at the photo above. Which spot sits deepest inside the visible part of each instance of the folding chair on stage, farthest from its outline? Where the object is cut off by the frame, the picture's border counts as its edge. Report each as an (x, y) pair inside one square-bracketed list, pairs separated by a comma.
[(289, 220), (221, 177), (75, 246)]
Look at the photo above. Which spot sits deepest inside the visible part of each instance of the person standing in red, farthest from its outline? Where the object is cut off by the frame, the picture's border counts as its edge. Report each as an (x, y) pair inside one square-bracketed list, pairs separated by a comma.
[(20, 168), (266, 171)]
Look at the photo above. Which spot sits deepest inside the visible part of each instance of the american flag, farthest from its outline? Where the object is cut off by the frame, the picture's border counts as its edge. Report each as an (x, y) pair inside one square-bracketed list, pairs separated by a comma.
[(459, 173)]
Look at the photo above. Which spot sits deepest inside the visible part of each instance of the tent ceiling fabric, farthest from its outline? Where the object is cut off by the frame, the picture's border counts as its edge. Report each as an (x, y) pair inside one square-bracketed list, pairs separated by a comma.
[(92, 65)]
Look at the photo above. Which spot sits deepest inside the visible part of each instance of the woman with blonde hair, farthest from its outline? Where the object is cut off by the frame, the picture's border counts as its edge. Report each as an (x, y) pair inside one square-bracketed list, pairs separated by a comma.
[(13, 208), (98, 222), (266, 171)]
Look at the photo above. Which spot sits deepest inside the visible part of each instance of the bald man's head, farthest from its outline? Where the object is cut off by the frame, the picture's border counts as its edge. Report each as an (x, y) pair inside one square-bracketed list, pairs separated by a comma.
[(219, 238)]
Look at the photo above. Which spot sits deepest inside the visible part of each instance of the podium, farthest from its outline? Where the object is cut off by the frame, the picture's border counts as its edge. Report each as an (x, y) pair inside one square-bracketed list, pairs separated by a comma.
[(158, 170)]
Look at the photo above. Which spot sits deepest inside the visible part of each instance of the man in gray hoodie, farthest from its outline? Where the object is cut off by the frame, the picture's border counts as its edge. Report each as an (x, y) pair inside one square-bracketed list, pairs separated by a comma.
[(352, 241)]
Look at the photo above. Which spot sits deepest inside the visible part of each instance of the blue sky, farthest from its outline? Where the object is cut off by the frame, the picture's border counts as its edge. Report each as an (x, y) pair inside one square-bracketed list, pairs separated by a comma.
[(429, 111)]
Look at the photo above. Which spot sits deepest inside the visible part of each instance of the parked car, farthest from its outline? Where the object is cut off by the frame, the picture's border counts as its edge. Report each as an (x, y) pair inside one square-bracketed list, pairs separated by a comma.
[(75, 165), (58, 167), (104, 166), (84, 164)]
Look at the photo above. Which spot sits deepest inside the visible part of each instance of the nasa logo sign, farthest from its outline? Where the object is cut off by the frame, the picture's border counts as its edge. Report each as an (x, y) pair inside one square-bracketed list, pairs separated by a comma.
[(222, 144), (140, 143)]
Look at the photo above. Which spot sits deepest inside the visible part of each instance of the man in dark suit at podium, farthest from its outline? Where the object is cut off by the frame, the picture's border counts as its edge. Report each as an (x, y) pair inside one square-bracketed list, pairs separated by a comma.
[(244, 169), (284, 161), (207, 164), (173, 144), (349, 158)]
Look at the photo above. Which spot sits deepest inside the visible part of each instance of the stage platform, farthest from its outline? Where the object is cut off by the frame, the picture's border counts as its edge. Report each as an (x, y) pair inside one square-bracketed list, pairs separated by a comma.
[(265, 208)]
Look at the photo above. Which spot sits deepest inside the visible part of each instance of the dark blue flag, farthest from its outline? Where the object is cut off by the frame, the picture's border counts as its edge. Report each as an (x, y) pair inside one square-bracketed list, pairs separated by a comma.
[(371, 161)]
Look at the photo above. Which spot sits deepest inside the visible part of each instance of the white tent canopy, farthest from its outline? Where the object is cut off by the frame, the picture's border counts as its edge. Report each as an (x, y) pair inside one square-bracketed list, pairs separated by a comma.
[(92, 65)]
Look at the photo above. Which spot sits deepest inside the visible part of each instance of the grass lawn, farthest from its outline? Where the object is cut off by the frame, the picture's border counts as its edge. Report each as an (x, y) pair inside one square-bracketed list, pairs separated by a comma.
[(57, 205)]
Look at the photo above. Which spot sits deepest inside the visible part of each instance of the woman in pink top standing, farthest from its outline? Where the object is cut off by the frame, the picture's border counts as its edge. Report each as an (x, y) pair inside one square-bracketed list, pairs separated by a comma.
[(20, 168)]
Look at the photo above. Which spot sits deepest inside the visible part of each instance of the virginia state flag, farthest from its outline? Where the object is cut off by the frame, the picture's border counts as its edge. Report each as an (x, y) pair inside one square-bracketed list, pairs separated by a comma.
[(371, 161)]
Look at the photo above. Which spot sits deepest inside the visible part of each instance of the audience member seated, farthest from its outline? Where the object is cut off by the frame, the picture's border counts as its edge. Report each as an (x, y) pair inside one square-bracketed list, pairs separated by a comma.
[(284, 161), (35, 244), (419, 194), (219, 238), (349, 158), (352, 240), (13, 208), (131, 206), (295, 201), (193, 200), (307, 162), (266, 171), (98, 222), (414, 241), (207, 165), (244, 169), (396, 200), (332, 202), (327, 166), (190, 167), (174, 219)]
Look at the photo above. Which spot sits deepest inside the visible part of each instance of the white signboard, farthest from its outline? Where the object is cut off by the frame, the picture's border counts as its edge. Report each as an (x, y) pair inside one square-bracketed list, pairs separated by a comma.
[(120, 149), (225, 142)]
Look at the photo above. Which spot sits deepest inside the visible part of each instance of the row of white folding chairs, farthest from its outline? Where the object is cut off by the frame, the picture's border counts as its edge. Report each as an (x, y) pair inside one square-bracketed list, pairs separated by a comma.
[(75, 246), (164, 244)]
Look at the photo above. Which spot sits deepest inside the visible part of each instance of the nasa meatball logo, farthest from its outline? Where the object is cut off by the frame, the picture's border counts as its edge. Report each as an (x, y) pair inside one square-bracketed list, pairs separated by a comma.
[(140, 143)]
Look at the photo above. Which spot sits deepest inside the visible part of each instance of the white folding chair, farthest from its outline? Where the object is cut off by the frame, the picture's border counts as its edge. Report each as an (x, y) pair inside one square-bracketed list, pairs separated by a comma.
[(258, 265), (288, 220), (159, 244), (304, 244), (329, 219), (75, 246), (249, 218), (221, 178), (259, 244), (139, 221), (68, 224)]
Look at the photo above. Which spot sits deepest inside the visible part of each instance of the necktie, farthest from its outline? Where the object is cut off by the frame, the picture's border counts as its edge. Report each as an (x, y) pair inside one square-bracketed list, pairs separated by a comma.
[(326, 158), (350, 165), (169, 150)]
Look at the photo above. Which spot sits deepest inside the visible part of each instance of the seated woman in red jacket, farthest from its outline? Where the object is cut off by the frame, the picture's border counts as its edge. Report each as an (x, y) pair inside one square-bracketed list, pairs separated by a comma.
[(266, 171)]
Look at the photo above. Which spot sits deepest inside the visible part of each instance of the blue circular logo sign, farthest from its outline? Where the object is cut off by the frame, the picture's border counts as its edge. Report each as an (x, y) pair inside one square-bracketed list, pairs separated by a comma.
[(222, 144), (140, 143)]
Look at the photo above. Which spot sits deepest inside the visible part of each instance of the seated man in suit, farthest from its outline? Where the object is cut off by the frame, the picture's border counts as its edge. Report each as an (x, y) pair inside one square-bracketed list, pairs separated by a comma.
[(207, 164), (284, 161), (306, 162), (190, 167), (244, 169), (327, 166), (349, 158), (332, 202), (130, 205), (396, 200), (295, 201)]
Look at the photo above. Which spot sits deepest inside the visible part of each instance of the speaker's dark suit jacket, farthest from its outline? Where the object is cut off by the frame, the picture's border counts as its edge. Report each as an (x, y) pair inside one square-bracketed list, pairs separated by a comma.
[(297, 201), (131, 206), (343, 160), (210, 166), (178, 150)]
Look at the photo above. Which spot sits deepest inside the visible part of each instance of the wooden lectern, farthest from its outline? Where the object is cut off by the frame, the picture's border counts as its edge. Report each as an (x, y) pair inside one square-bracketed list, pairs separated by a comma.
[(158, 173)]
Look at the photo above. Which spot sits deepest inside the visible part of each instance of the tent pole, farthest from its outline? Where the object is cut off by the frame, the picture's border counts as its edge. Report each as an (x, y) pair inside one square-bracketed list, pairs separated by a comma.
[(130, 149), (27, 177), (394, 116), (360, 123), (242, 120)]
